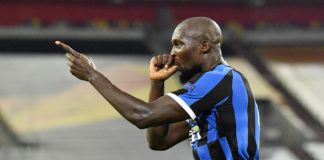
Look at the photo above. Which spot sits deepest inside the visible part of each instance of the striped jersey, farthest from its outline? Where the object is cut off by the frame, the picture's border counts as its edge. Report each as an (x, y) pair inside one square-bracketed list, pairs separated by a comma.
[(224, 122)]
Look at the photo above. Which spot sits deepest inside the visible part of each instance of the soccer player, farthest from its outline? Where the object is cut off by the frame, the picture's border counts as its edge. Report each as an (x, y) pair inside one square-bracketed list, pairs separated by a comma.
[(215, 108)]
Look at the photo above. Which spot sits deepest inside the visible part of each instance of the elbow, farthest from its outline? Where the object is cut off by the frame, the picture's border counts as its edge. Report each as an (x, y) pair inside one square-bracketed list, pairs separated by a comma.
[(157, 147), (140, 126), (141, 122), (157, 144)]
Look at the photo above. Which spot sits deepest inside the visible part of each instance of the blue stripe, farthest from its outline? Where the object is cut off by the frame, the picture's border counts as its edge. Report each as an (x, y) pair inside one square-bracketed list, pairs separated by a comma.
[(214, 77), (257, 157), (240, 104), (203, 152), (226, 148)]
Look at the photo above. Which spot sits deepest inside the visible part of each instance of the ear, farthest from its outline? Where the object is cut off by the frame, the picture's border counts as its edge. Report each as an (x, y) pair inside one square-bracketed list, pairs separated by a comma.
[(205, 47)]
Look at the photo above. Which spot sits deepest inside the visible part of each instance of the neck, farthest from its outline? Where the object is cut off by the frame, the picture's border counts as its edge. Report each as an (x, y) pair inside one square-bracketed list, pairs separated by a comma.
[(211, 62)]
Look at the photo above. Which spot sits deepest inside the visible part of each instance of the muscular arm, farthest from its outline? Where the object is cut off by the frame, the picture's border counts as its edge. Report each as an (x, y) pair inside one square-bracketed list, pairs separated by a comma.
[(165, 136), (163, 110), (143, 115)]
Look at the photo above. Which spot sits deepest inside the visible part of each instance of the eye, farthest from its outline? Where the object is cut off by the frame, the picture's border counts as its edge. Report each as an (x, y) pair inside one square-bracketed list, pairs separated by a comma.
[(176, 44)]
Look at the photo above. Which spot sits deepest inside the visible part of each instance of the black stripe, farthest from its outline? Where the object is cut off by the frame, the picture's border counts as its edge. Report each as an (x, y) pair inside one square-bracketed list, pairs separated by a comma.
[(195, 155), (220, 129), (251, 120), (219, 92), (227, 119), (215, 150), (180, 91)]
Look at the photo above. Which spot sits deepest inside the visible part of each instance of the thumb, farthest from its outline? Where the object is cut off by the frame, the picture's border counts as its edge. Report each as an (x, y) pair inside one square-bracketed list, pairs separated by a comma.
[(152, 67)]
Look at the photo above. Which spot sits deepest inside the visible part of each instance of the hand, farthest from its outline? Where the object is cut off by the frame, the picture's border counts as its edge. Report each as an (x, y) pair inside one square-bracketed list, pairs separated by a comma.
[(81, 66), (162, 67)]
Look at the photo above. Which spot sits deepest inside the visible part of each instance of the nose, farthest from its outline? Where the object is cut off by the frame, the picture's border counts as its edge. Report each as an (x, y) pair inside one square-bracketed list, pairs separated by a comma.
[(172, 52)]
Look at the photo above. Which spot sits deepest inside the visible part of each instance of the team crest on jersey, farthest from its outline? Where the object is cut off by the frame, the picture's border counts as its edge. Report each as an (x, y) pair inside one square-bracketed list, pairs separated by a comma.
[(189, 87)]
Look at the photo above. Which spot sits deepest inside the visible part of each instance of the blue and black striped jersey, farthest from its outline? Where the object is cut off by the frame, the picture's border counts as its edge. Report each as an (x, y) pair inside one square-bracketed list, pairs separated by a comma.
[(224, 115)]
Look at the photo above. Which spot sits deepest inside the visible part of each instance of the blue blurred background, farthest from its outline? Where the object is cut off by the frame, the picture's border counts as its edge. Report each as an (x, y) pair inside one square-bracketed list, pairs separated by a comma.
[(47, 114)]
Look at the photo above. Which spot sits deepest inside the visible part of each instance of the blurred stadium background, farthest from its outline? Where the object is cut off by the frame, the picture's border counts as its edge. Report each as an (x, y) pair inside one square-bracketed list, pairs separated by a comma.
[(47, 114)]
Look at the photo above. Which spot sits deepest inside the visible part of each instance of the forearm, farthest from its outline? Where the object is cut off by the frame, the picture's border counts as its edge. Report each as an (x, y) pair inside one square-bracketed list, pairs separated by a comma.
[(156, 135), (131, 108), (156, 90)]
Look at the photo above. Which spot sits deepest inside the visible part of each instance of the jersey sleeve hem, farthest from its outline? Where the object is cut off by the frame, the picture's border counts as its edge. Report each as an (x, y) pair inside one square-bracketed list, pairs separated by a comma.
[(183, 104)]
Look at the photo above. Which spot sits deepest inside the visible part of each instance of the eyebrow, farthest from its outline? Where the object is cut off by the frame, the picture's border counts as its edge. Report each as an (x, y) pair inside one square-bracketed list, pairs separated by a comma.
[(176, 41)]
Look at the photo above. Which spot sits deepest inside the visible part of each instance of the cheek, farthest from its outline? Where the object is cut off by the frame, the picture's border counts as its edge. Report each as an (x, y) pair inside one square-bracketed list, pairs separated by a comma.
[(185, 57), (180, 54)]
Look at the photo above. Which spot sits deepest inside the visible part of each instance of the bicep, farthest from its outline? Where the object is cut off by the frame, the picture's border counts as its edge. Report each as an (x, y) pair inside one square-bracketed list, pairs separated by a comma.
[(165, 110)]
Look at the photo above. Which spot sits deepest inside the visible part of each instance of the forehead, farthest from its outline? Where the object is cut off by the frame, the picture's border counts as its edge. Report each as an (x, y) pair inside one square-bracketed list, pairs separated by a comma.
[(186, 30), (182, 32), (178, 32)]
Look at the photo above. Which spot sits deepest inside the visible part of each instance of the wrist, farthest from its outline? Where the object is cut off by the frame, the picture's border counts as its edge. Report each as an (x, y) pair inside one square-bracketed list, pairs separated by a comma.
[(94, 75), (157, 82)]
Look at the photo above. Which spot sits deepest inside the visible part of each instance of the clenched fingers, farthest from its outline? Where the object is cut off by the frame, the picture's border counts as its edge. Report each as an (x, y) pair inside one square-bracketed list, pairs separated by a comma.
[(162, 61)]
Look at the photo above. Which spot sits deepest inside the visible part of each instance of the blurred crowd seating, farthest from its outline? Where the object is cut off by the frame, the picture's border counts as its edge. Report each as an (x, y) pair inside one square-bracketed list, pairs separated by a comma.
[(126, 14)]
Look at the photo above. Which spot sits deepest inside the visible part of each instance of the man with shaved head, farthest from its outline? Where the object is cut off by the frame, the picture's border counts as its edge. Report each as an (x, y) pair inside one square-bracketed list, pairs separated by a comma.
[(215, 108)]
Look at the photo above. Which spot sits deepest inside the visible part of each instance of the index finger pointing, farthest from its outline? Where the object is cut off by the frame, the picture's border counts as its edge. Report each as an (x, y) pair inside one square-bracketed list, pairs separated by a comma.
[(67, 48)]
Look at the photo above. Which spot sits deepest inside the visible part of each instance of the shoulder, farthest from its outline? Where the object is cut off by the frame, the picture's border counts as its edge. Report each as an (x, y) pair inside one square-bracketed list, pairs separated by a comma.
[(238, 74)]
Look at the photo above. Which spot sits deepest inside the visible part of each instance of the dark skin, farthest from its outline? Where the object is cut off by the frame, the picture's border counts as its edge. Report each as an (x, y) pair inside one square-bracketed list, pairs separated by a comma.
[(164, 117)]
